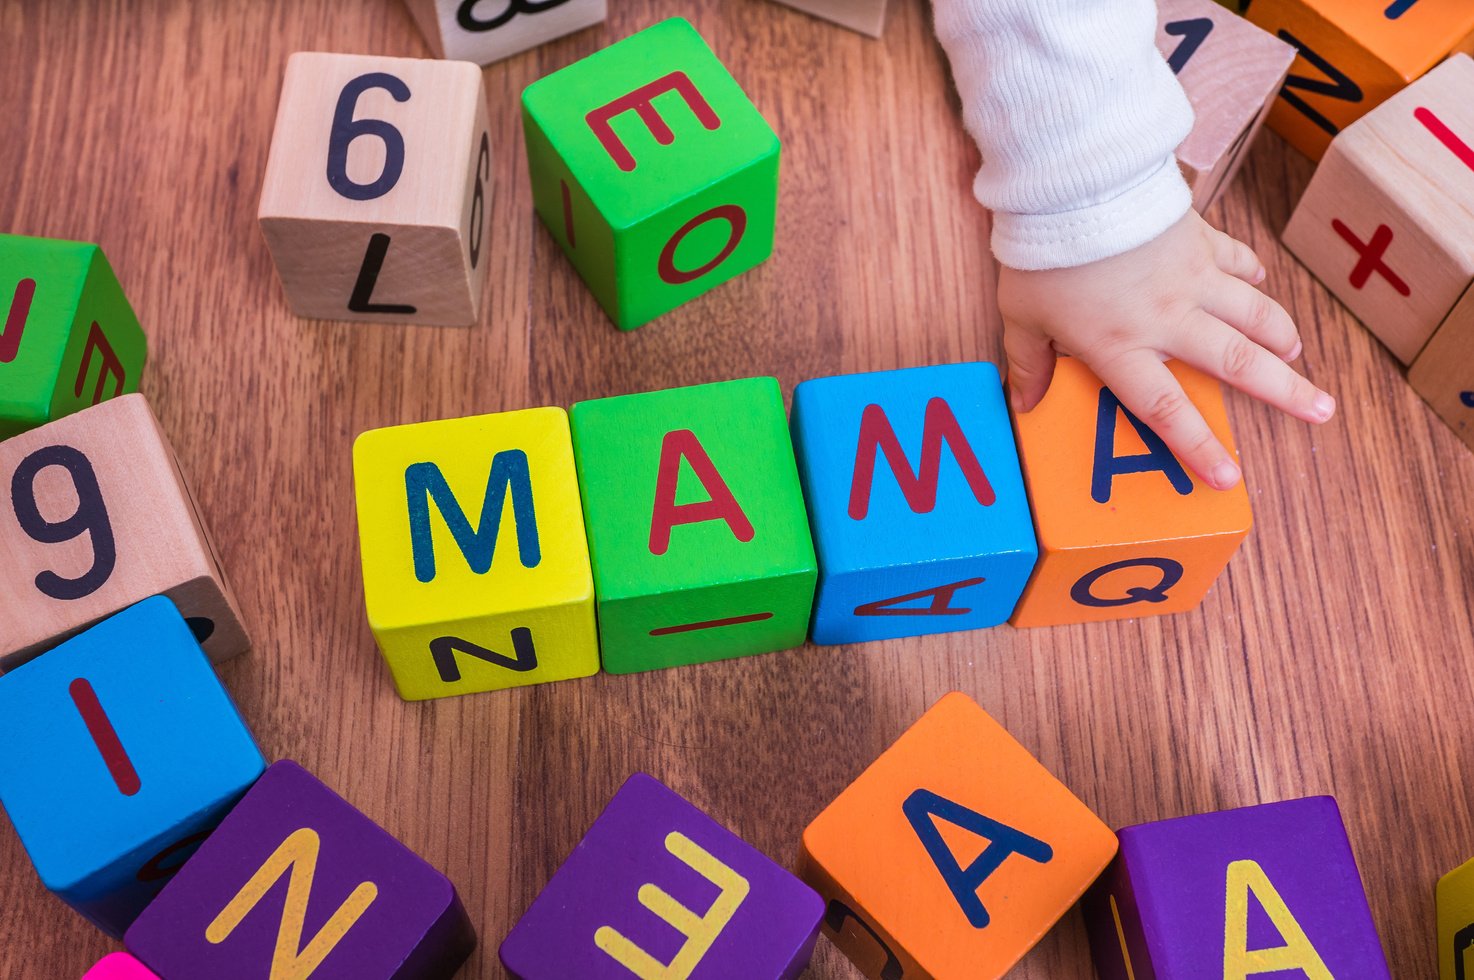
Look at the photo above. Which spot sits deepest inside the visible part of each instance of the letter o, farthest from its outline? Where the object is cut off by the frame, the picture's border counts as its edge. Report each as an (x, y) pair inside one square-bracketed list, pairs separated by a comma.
[(1171, 575), (736, 219)]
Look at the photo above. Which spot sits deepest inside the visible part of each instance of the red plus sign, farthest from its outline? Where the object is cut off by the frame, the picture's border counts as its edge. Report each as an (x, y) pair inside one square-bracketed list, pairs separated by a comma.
[(1371, 257)]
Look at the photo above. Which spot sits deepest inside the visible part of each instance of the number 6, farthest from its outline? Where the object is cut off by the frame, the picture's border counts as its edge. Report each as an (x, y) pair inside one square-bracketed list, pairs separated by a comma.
[(346, 129)]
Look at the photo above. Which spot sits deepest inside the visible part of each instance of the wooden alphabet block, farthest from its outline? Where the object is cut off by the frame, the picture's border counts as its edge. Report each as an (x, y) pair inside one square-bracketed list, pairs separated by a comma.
[(656, 888), (68, 338), (1444, 373), (1455, 909), (1270, 889), (375, 199), (652, 170), (475, 562), (484, 32), (917, 504), (696, 523), (1353, 56), (1231, 71), (355, 903), (119, 966), (888, 854), (1380, 222), (122, 751), (1125, 529), (863, 16), (99, 517)]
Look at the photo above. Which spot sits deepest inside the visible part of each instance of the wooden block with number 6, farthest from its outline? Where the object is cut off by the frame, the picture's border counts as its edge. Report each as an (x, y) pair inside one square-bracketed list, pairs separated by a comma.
[(99, 517), (473, 30), (376, 193), (475, 564)]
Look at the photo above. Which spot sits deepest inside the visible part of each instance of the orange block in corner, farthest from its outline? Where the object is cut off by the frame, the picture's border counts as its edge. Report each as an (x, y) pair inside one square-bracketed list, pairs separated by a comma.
[(953, 853), (1124, 528)]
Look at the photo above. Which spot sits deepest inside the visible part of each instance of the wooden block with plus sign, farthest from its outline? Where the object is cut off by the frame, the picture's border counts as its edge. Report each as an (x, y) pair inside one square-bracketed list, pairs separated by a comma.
[(475, 563), (1353, 56), (863, 16), (99, 517), (68, 338), (377, 190), (1382, 223), (1231, 71), (485, 31), (1444, 372)]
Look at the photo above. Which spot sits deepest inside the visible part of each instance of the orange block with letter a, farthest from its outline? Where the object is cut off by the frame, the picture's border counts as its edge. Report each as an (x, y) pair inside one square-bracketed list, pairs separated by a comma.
[(953, 853), (1125, 529)]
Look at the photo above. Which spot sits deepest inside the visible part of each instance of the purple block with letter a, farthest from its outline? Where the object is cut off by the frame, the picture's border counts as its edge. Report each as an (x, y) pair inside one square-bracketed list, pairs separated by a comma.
[(657, 888), (296, 882), (1270, 889)]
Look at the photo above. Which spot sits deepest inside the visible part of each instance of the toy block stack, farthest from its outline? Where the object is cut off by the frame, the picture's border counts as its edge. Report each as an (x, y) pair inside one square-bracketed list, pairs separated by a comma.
[(1454, 899), (652, 171), (1124, 529), (1268, 889), (953, 853), (1353, 56), (475, 561), (69, 338), (656, 888), (484, 31), (376, 194), (1231, 71), (862, 16)]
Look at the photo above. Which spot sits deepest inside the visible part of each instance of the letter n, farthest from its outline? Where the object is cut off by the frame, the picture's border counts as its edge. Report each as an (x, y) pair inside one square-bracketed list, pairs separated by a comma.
[(1108, 465), (1336, 85), (920, 489), (1239, 961), (720, 505), (424, 484)]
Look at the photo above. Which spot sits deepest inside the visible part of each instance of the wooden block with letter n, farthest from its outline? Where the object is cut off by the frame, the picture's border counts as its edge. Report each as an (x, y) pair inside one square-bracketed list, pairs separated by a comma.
[(1454, 901), (68, 338), (1353, 56), (920, 519), (1270, 889), (375, 199), (298, 883), (122, 751), (888, 853), (864, 16), (1231, 71), (657, 889), (1444, 372), (95, 515), (119, 966), (1383, 223), (475, 563), (652, 170), (484, 31), (696, 523), (1124, 529)]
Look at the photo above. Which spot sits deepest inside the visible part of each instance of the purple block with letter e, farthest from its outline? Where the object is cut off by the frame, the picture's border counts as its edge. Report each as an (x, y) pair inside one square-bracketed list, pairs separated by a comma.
[(1270, 889), (658, 888), (297, 882)]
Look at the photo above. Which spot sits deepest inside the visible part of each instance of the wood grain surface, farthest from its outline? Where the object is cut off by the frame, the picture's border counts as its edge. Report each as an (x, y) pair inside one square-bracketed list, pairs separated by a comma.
[(1331, 658)]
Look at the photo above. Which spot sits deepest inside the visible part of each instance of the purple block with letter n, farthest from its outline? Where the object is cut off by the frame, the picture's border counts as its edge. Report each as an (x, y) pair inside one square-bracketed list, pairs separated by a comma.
[(296, 883), (656, 888), (1267, 890)]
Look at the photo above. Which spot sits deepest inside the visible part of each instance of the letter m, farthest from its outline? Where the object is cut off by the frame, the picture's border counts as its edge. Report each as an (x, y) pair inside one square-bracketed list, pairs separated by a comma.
[(920, 488), (424, 485)]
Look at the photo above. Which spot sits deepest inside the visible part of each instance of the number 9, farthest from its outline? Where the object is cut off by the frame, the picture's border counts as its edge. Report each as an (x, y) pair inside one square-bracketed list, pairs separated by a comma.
[(90, 517)]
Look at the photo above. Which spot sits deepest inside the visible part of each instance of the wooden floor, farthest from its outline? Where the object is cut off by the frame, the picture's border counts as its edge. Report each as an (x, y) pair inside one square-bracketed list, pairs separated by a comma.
[(1333, 657)]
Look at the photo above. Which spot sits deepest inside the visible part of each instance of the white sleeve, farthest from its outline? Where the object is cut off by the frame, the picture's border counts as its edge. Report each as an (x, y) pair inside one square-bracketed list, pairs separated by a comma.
[(1077, 116)]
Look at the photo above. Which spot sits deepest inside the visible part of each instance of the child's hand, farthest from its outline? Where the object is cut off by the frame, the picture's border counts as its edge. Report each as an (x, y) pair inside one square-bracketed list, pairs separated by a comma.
[(1189, 294)]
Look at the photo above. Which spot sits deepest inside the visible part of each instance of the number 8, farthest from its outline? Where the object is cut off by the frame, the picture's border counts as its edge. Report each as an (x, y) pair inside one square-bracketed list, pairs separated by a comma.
[(90, 517)]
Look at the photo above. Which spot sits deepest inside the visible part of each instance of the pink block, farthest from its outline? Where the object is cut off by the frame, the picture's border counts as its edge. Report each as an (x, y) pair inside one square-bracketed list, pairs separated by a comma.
[(119, 966)]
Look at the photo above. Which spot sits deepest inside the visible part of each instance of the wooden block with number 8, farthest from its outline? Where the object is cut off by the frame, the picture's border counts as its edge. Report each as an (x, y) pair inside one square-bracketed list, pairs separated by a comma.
[(475, 565), (97, 517), (376, 193), (469, 30)]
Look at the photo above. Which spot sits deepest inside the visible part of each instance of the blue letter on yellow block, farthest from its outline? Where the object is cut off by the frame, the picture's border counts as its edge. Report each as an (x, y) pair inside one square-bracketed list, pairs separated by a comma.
[(423, 483)]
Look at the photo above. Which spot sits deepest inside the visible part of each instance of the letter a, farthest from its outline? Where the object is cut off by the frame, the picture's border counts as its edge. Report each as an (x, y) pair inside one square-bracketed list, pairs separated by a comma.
[(1109, 465), (1239, 961), (720, 505), (921, 806), (425, 484)]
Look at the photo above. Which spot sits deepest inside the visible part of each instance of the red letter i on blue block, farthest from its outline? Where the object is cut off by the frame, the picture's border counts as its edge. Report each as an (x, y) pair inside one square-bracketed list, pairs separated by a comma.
[(916, 500), (122, 751)]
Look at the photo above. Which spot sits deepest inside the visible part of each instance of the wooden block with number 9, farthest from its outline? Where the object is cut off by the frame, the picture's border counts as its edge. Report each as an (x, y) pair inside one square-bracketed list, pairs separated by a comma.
[(475, 565), (375, 199), (95, 516)]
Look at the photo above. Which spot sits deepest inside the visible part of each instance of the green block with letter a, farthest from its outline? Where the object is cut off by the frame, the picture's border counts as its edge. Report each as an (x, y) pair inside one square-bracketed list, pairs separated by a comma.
[(653, 171), (697, 530), (68, 338)]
